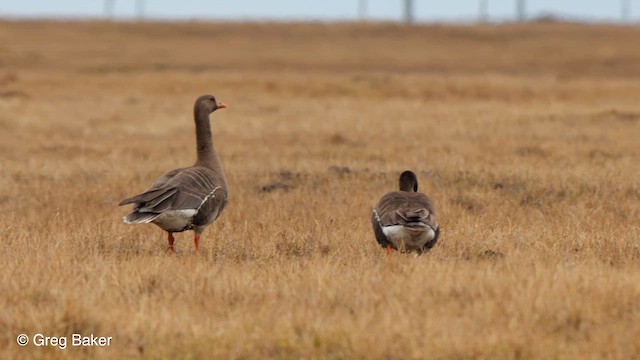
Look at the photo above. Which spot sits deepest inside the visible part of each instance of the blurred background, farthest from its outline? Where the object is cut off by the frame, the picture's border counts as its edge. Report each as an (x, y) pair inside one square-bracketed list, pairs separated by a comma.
[(521, 119), (331, 10)]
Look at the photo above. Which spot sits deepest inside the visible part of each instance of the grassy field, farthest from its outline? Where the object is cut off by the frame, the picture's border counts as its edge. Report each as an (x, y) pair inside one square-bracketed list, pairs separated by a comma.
[(527, 138)]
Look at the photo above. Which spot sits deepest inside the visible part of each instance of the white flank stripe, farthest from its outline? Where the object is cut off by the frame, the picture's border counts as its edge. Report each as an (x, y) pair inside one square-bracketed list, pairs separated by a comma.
[(207, 198)]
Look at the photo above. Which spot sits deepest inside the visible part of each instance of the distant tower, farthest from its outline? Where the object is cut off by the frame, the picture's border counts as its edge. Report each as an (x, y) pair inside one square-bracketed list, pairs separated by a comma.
[(140, 9), (408, 11), (109, 6), (625, 9), (362, 9), (482, 10), (521, 10)]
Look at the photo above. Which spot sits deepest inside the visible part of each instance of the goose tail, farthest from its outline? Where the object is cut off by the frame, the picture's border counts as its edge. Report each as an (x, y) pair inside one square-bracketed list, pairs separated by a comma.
[(139, 218)]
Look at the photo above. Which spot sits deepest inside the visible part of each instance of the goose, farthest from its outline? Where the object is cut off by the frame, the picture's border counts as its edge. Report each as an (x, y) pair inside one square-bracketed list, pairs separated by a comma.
[(189, 198), (405, 220)]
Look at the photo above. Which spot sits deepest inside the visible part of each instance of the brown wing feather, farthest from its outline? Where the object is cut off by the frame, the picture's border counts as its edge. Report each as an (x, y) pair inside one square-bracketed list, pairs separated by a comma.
[(158, 189), (402, 207), (195, 186), (189, 188)]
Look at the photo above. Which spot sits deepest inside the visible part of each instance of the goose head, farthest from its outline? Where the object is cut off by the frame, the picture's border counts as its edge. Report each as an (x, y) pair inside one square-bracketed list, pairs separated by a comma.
[(408, 181), (209, 103)]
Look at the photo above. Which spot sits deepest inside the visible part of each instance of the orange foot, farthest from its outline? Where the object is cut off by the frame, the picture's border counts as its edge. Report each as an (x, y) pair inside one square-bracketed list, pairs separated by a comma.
[(170, 239), (197, 242)]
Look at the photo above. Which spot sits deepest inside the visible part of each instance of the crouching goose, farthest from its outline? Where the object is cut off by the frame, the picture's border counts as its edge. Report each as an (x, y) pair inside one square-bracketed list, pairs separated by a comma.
[(405, 220), (188, 198)]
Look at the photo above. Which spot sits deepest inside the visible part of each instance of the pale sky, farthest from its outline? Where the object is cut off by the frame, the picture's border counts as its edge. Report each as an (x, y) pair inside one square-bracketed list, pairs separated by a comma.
[(326, 10)]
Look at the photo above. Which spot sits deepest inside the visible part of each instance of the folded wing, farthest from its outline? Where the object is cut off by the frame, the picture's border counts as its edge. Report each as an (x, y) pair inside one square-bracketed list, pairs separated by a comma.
[(181, 189)]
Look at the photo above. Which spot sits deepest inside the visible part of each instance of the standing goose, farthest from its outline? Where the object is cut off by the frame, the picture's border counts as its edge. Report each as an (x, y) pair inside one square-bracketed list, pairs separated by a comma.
[(405, 220), (188, 198)]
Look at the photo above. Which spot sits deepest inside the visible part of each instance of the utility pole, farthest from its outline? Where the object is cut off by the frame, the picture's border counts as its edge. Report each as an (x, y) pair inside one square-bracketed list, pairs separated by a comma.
[(625, 9), (140, 9), (482, 11), (109, 6), (362, 9), (521, 10), (408, 11)]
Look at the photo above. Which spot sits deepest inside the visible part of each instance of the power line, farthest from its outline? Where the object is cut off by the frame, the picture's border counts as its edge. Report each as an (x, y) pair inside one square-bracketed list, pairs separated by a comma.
[(109, 7), (483, 7), (521, 10), (140, 8), (408, 11), (625, 9), (362, 9)]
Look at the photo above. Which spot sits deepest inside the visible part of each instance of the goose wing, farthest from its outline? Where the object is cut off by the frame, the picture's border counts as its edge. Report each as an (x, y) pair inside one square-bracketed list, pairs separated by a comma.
[(180, 189), (405, 208)]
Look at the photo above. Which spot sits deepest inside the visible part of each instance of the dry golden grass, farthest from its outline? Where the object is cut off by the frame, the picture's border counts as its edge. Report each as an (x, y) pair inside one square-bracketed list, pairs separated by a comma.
[(526, 137)]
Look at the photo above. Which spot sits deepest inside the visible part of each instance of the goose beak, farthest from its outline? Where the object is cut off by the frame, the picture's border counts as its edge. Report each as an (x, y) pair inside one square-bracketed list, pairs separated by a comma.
[(221, 105)]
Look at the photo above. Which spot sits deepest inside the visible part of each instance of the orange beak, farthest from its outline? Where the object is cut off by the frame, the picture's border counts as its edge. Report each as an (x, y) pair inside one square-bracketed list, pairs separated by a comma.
[(221, 105)]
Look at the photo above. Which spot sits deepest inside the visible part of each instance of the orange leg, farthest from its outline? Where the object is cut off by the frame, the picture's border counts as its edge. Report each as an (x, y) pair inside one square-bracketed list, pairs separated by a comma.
[(389, 252), (170, 239), (197, 241)]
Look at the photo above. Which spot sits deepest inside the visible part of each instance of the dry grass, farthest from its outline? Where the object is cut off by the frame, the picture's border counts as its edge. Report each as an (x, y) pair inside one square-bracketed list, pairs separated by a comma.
[(525, 136)]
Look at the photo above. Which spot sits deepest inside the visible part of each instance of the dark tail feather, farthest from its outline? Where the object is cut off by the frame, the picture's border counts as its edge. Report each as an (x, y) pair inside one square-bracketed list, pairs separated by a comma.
[(131, 200), (149, 196), (159, 198)]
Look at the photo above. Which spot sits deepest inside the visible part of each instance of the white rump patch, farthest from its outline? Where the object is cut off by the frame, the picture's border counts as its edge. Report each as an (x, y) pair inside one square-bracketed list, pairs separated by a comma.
[(175, 219), (408, 238)]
